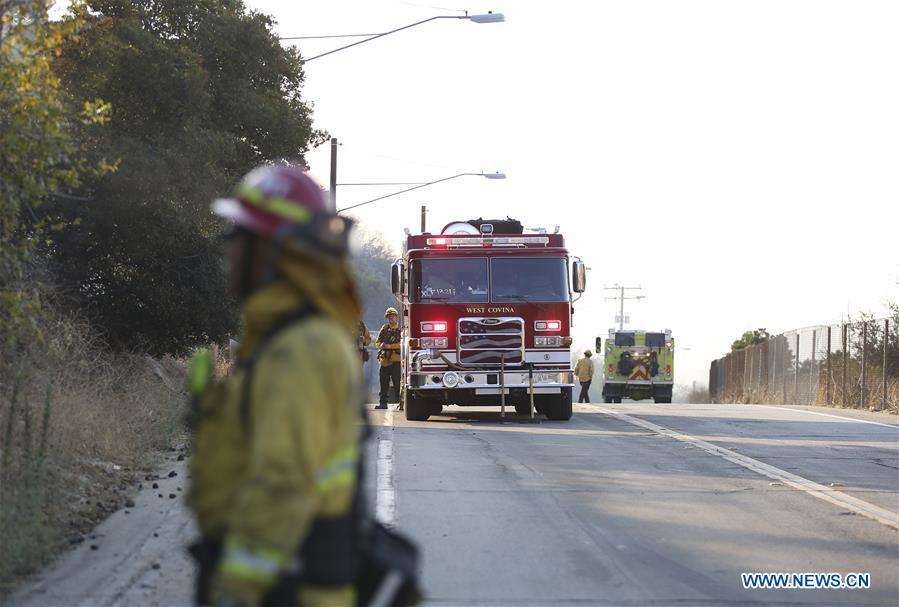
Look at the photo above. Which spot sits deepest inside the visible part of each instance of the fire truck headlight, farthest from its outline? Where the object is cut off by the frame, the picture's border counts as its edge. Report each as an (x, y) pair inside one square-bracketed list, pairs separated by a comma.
[(548, 325), (435, 326), (432, 342), (450, 379)]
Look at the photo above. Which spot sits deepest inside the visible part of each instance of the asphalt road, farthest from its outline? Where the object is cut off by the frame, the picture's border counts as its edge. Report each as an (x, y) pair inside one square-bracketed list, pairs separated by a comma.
[(631, 504)]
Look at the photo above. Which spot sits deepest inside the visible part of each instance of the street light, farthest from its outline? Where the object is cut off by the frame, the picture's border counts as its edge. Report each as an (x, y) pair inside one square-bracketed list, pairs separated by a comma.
[(496, 175), (489, 17)]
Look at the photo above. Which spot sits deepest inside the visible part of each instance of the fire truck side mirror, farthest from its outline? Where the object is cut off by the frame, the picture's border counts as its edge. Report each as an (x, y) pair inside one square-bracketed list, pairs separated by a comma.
[(579, 276), (396, 278), (598, 345)]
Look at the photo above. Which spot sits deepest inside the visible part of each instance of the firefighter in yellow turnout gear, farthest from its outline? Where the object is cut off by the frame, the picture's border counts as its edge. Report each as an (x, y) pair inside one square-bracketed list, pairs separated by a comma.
[(388, 344), (276, 447)]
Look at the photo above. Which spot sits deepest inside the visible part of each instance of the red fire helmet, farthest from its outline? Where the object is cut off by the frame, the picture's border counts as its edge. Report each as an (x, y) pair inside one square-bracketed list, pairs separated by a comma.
[(284, 203)]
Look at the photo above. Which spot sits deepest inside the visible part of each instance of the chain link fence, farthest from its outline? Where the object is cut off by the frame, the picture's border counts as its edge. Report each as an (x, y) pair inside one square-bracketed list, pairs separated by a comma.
[(847, 365)]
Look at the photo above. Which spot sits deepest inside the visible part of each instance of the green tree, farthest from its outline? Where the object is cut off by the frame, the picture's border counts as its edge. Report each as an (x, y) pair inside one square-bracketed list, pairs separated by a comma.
[(39, 157), (372, 264), (749, 339), (201, 92)]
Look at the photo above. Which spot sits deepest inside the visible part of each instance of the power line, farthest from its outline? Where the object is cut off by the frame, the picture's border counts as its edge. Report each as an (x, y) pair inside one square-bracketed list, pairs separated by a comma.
[(622, 297), (328, 36)]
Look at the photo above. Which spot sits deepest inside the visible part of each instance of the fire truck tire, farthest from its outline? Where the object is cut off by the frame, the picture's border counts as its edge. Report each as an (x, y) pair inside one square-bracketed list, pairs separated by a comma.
[(608, 400), (418, 409), (559, 408)]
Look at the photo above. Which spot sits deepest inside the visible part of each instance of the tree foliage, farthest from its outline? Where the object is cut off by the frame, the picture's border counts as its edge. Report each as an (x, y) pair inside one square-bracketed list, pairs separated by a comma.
[(372, 266), (39, 157), (749, 339), (201, 91)]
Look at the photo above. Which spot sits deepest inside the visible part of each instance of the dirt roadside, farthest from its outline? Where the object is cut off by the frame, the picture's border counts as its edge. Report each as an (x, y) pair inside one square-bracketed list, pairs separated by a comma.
[(140, 556), (135, 557)]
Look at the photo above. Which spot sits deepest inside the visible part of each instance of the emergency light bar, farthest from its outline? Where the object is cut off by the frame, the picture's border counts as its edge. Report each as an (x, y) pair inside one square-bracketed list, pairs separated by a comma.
[(481, 241), (433, 327)]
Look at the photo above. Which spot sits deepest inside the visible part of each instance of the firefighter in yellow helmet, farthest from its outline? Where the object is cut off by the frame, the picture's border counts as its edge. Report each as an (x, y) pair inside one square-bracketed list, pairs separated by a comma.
[(584, 371), (274, 473), (388, 344)]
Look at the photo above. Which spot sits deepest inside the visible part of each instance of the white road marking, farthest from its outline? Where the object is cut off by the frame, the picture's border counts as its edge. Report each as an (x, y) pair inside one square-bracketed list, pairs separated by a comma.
[(851, 419), (385, 506), (881, 515)]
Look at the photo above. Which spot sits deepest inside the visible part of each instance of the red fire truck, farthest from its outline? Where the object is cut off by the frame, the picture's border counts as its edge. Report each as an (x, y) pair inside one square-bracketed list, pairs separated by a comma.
[(487, 312)]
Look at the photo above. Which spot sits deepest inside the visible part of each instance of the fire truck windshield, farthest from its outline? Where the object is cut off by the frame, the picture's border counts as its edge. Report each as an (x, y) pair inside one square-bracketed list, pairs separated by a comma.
[(449, 280), (529, 279)]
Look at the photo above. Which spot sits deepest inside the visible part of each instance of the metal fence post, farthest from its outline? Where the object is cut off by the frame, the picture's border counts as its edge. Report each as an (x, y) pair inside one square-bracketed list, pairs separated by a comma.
[(783, 369), (845, 364), (812, 379), (886, 346), (747, 384), (862, 402), (763, 360), (827, 392), (796, 372)]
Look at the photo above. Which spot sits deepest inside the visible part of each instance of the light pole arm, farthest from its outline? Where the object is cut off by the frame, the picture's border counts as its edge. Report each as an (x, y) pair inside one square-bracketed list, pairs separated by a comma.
[(404, 191), (399, 29)]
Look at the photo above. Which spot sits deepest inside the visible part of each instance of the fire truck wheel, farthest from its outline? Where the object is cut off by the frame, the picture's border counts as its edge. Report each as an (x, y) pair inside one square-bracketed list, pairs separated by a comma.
[(559, 408), (418, 409)]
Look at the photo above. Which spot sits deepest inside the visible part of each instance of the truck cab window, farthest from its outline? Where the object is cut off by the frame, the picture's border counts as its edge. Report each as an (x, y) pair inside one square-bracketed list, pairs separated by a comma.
[(456, 280), (529, 279), (655, 340), (624, 339)]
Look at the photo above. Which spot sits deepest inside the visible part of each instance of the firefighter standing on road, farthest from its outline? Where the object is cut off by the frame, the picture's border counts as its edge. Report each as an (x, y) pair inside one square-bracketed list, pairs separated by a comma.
[(584, 372), (274, 474), (388, 344), (363, 340)]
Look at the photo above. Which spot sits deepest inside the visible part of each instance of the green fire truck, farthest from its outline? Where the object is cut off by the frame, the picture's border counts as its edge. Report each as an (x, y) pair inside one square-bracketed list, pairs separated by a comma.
[(638, 365)]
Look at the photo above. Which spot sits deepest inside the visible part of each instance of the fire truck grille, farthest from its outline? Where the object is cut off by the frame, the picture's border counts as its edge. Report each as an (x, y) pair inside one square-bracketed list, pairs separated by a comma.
[(488, 341), (490, 357), (482, 326)]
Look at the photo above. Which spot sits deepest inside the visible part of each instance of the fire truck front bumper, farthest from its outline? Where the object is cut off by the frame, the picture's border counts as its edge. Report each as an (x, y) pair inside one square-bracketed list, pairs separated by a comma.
[(489, 381)]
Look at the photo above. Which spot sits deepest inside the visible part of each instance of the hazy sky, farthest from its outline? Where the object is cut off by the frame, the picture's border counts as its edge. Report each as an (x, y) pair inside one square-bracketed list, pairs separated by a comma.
[(738, 160)]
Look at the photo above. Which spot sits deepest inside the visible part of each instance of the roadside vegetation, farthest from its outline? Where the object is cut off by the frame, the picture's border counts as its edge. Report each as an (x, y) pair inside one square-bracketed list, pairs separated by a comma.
[(79, 425), (119, 123)]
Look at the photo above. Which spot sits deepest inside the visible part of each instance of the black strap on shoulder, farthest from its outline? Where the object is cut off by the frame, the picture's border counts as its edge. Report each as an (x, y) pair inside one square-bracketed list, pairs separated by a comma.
[(249, 364)]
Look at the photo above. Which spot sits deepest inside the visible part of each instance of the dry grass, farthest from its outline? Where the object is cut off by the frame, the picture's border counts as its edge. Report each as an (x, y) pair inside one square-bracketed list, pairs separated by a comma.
[(698, 395), (77, 426)]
